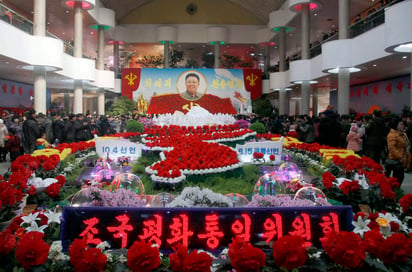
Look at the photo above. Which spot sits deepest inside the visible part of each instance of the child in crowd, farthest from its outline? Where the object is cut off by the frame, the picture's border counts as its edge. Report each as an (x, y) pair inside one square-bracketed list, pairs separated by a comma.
[(354, 139), (13, 145), (41, 143)]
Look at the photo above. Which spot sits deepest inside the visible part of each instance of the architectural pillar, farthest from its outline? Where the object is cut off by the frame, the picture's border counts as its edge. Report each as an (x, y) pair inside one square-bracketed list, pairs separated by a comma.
[(266, 59), (66, 103), (166, 54), (78, 53), (100, 66), (116, 58), (343, 91), (282, 102), (305, 86), (305, 97), (282, 49), (343, 73), (315, 102), (40, 90), (298, 106), (217, 54), (39, 29)]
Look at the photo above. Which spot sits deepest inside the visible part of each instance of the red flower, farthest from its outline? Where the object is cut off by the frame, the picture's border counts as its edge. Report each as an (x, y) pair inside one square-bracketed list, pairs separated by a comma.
[(244, 257), (53, 190), (31, 191), (48, 166), (258, 155), (142, 257), (349, 187), (344, 248), (289, 252), (328, 178), (7, 242), (31, 250), (33, 164), (405, 202), (272, 157), (177, 259), (373, 241), (197, 261), (61, 179), (85, 258), (394, 249), (181, 261)]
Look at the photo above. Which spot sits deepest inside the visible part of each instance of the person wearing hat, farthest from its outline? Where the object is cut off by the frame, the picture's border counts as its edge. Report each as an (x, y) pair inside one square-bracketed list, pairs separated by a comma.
[(3, 133)]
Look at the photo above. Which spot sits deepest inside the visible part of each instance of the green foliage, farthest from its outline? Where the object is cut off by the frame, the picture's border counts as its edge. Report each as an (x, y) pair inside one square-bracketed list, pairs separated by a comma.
[(208, 60), (258, 127), (262, 107), (151, 61), (175, 57), (122, 105), (191, 63), (134, 126)]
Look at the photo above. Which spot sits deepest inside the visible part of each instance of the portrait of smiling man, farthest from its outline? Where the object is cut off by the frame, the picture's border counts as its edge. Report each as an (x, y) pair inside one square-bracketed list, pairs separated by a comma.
[(192, 83)]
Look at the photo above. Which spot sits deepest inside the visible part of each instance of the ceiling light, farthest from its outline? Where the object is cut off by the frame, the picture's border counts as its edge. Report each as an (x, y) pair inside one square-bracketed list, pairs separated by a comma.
[(301, 81), (374, 65), (404, 48), (6, 62), (336, 70), (404, 57)]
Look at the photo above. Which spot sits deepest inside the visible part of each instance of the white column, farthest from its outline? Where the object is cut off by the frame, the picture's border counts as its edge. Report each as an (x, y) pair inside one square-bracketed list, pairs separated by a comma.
[(305, 31), (282, 102), (166, 53), (305, 97), (78, 53), (343, 91), (78, 97), (217, 54), (315, 101), (116, 58), (282, 49), (39, 73), (39, 18), (266, 59), (343, 75), (40, 90), (100, 66), (66, 103), (297, 106), (100, 102), (344, 19)]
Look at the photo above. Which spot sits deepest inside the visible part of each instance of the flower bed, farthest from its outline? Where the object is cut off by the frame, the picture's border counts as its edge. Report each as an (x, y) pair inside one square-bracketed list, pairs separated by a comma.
[(380, 240)]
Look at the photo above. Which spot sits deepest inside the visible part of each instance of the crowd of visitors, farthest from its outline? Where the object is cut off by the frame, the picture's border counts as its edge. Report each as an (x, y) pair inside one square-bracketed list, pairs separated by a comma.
[(386, 139)]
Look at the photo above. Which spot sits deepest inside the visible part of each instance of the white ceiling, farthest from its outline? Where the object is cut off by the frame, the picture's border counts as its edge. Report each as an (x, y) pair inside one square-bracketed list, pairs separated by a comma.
[(60, 23)]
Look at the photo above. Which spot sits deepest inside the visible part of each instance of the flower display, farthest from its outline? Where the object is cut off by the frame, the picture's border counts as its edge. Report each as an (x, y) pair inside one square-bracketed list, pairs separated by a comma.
[(142, 257), (244, 257), (289, 252), (32, 250), (344, 248), (182, 261), (85, 258)]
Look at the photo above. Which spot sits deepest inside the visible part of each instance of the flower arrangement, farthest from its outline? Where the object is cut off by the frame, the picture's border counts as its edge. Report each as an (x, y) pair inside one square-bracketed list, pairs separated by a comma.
[(196, 197), (93, 196)]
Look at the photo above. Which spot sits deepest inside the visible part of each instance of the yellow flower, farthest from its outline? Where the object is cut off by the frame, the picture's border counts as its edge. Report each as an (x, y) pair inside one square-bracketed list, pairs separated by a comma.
[(383, 222)]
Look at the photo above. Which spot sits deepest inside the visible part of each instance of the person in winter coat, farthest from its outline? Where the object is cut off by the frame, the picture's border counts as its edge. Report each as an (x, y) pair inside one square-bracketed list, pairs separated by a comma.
[(399, 156), (31, 132), (3, 133), (354, 139), (13, 145)]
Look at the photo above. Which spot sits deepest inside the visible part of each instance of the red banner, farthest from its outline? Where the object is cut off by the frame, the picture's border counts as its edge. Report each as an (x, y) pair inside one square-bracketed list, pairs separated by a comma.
[(253, 82), (130, 81)]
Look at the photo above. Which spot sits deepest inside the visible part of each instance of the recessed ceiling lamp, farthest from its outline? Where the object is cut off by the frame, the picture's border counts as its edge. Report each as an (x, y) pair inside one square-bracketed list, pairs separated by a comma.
[(351, 70), (404, 48)]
